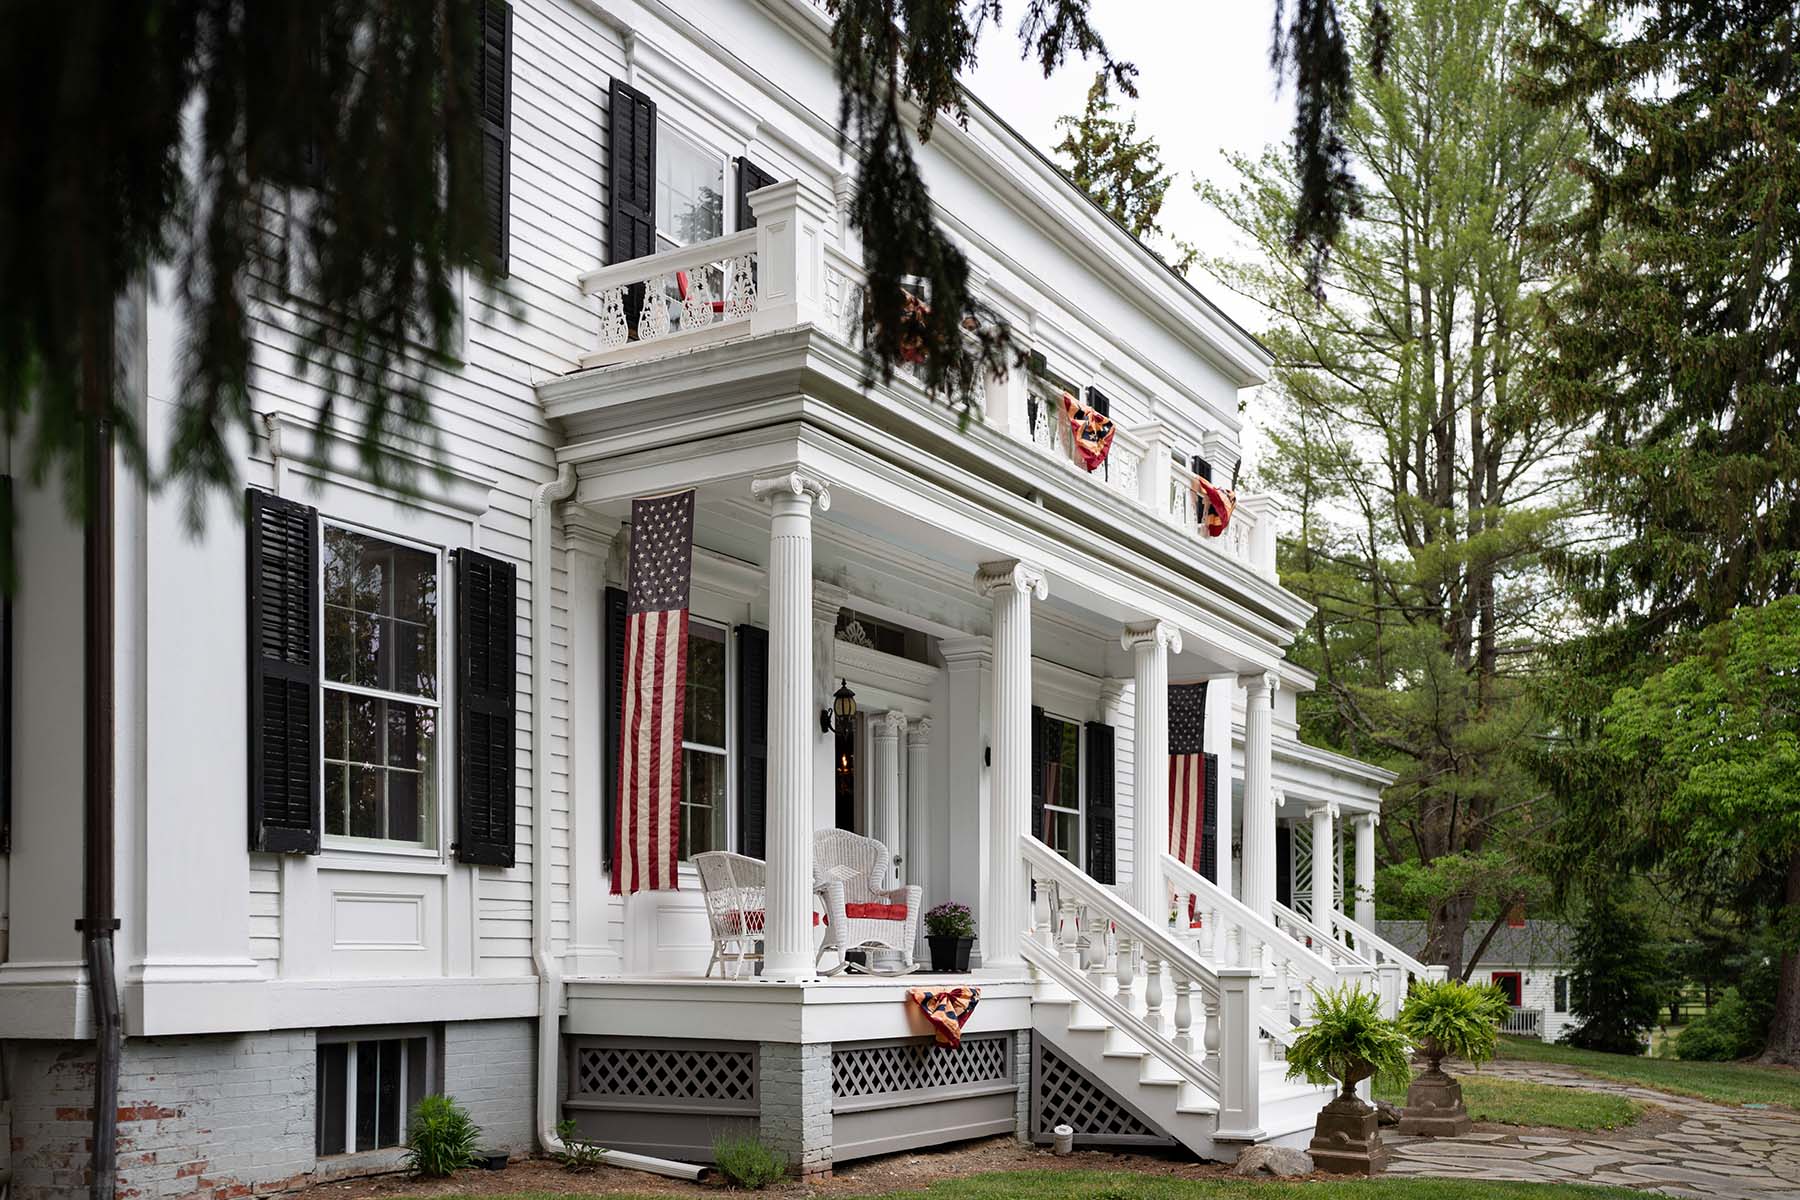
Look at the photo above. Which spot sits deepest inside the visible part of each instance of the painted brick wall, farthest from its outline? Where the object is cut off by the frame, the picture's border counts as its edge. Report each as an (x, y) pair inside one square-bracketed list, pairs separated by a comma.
[(795, 1093), (490, 1067), (209, 1117)]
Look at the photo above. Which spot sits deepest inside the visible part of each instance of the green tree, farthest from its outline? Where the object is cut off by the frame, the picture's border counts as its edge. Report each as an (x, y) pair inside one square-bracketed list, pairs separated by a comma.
[(1414, 450), (265, 154), (1619, 975), (1122, 172), (1674, 350)]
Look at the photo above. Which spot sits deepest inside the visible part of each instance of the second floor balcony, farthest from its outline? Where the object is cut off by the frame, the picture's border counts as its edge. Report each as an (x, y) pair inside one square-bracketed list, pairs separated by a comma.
[(787, 270)]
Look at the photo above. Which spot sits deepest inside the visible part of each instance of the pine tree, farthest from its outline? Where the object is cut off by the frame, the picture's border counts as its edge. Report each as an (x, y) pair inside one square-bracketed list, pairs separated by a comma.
[(1122, 172), (1415, 453), (1674, 352), (1619, 976)]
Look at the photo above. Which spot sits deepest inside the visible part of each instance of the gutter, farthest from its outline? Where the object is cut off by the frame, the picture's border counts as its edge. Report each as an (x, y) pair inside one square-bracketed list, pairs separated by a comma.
[(549, 971)]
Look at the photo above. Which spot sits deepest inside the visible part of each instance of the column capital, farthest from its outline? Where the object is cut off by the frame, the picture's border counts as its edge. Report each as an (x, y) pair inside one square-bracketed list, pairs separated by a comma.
[(1366, 818), (919, 732), (792, 485), (1265, 683), (1327, 807), (889, 725), (1151, 633), (992, 577)]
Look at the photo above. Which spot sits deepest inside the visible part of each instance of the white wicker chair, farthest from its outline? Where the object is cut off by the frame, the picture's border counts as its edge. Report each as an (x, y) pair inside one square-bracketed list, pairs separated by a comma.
[(733, 886), (861, 913)]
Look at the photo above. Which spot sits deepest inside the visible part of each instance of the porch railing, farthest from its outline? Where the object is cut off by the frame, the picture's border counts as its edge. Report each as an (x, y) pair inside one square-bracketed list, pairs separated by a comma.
[(1317, 939), (1380, 950), (1524, 1022), (681, 291), (1108, 956)]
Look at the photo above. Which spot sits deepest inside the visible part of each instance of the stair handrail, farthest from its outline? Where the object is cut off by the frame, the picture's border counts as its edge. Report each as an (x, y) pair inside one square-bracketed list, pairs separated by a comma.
[(1307, 963), (1226, 1069), (1335, 948), (1386, 949)]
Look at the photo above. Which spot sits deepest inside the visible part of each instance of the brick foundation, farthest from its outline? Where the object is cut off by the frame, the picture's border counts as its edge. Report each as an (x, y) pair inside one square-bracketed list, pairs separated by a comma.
[(795, 1087)]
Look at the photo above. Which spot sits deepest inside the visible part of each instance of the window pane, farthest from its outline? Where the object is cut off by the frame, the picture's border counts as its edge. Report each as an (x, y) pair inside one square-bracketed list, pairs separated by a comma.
[(1062, 779), (367, 1066), (337, 799), (365, 803), (388, 1127), (380, 614), (703, 715), (1065, 834), (690, 190), (329, 1109), (380, 763), (702, 802)]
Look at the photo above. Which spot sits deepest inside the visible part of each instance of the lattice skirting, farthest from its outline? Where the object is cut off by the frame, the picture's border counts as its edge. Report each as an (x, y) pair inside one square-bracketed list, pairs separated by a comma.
[(714, 1075), (1064, 1094), (886, 1069)]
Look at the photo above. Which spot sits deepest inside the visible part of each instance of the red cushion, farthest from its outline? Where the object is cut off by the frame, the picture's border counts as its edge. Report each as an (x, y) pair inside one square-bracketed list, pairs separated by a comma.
[(876, 912), (755, 917)]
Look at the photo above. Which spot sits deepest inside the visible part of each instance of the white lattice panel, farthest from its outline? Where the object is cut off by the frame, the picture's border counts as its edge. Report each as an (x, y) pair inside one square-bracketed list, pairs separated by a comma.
[(917, 1066), (665, 1073), (1065, 1096)]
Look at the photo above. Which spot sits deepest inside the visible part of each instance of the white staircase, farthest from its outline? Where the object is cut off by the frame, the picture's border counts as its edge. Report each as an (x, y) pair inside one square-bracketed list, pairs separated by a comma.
[(1189, 1031)]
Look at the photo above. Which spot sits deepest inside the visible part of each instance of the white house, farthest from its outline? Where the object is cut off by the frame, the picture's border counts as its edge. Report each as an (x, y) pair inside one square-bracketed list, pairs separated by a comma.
[(366, 745), (1530, 960)]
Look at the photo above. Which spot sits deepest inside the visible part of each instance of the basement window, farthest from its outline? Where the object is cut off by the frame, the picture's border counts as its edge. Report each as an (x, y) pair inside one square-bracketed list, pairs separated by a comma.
[(367, 1088)]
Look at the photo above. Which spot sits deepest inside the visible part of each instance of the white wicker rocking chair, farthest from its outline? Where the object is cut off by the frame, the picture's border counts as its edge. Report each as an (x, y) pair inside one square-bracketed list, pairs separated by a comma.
[(733, 886), (862, 913)]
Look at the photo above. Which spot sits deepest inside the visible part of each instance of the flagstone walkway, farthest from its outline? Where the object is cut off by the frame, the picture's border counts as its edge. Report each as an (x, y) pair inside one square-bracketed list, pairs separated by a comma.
[(1715, 1152)]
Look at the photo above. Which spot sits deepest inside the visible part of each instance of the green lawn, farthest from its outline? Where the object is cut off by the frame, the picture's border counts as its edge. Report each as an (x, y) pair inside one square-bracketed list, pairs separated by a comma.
[(1515, 1102), (1104, 1185), (1725, 1083)]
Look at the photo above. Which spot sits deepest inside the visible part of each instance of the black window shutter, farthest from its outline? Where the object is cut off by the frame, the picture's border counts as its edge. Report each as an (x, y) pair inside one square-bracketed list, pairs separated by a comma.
[(753, 738), (487, 617), (1037, 771), (6, 681), (1561, 998), (1209, 820), (613, 606), (1101, 848), (631, 173), (494, 86), (282, 561), (1097, 400), (749, 178), (1284, 865)]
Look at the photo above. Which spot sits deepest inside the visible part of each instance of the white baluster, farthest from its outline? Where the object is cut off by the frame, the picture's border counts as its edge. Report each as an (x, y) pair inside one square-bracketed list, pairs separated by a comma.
[(1096, 949), (1184, 1014), (1209, 1036), (1126, 971), (1153, 989), (1043, 915), (614, 330), (1070, 931), (740, 299), (653, 319)]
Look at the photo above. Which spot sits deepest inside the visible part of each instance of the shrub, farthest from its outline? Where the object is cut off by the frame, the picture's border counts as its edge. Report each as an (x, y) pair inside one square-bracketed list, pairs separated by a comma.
[(746, 1162), (1616, 987), (1731, 1030), (441, 1138), (1463, 1019), (1349, 1041), (578, 1153), (950, 919)]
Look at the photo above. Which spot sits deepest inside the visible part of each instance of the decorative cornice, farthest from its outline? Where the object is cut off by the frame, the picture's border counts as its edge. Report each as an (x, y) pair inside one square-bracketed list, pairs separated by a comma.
[(967, 652), (1151, 633), (828, 600), (792, 484), (1011, 573)]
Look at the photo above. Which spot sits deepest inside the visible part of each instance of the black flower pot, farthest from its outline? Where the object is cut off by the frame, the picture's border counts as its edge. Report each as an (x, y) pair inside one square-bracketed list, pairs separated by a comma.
[(950, 955)]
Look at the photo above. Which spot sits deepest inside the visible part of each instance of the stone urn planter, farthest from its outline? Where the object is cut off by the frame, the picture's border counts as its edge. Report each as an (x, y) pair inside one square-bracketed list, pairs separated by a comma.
[(1347, 1136), (1434, 1101)]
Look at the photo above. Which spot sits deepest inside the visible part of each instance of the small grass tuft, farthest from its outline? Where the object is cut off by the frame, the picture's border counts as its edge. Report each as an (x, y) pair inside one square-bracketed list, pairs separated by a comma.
[(745, 1162)]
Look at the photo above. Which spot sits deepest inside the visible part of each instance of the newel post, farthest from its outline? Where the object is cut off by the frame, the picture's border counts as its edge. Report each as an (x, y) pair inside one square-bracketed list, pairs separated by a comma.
[(1240, 1055), (1153, 472), (1390, 981), (792, 220)]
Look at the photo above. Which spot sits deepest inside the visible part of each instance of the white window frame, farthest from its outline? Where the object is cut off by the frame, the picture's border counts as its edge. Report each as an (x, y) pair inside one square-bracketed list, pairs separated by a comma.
[(727, 186), (352, 1039), (434, 846), (729, 750), (1081, 809)]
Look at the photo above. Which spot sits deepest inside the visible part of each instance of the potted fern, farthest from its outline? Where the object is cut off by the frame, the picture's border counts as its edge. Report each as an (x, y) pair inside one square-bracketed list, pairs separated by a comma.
[(1347, 1042), (1447, 1018)]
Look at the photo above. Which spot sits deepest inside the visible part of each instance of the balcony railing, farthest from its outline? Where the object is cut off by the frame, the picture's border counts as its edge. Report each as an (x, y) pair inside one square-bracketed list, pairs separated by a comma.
[(787, 271), (1524, 1022)]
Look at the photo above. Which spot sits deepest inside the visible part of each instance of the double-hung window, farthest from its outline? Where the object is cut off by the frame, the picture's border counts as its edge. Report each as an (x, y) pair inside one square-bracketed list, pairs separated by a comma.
[(704, 759), (1062, 787), (381, 694), (690, 190)]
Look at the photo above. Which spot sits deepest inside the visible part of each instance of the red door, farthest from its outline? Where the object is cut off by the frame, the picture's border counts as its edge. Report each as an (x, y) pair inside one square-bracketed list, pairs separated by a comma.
[(1508, 982)]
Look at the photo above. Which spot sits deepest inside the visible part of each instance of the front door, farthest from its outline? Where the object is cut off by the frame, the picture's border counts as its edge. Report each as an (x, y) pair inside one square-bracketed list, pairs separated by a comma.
[(1508, 982)]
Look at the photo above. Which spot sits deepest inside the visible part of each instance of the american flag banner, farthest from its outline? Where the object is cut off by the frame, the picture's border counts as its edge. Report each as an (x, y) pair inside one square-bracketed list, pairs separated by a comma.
[(1187, 773), (648, 816)]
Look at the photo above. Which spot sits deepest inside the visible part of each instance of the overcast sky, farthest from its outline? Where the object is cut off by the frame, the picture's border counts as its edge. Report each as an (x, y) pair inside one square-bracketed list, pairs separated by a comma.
[(1204, 88)]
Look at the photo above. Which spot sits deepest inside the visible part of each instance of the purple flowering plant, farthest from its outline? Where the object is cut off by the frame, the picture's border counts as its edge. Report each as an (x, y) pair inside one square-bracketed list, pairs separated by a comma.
[(950, 920)]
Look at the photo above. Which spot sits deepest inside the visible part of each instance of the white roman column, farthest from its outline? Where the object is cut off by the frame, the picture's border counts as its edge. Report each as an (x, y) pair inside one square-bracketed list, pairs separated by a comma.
[(918, 802), (787, 940), (1363, 826), (1150, 644), (1259, 793), (884, 735), (1324, 885), (1010, 585)]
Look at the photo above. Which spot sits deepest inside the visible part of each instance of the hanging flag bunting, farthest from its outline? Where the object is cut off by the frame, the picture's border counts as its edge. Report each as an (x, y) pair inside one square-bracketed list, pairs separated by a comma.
[(648, 816), (1187, 773), (1216, 505), (947, 1010), (1093, 432)]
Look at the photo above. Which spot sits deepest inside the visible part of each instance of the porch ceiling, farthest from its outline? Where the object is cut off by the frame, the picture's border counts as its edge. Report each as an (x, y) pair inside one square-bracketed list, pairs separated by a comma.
[(913, 496)]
